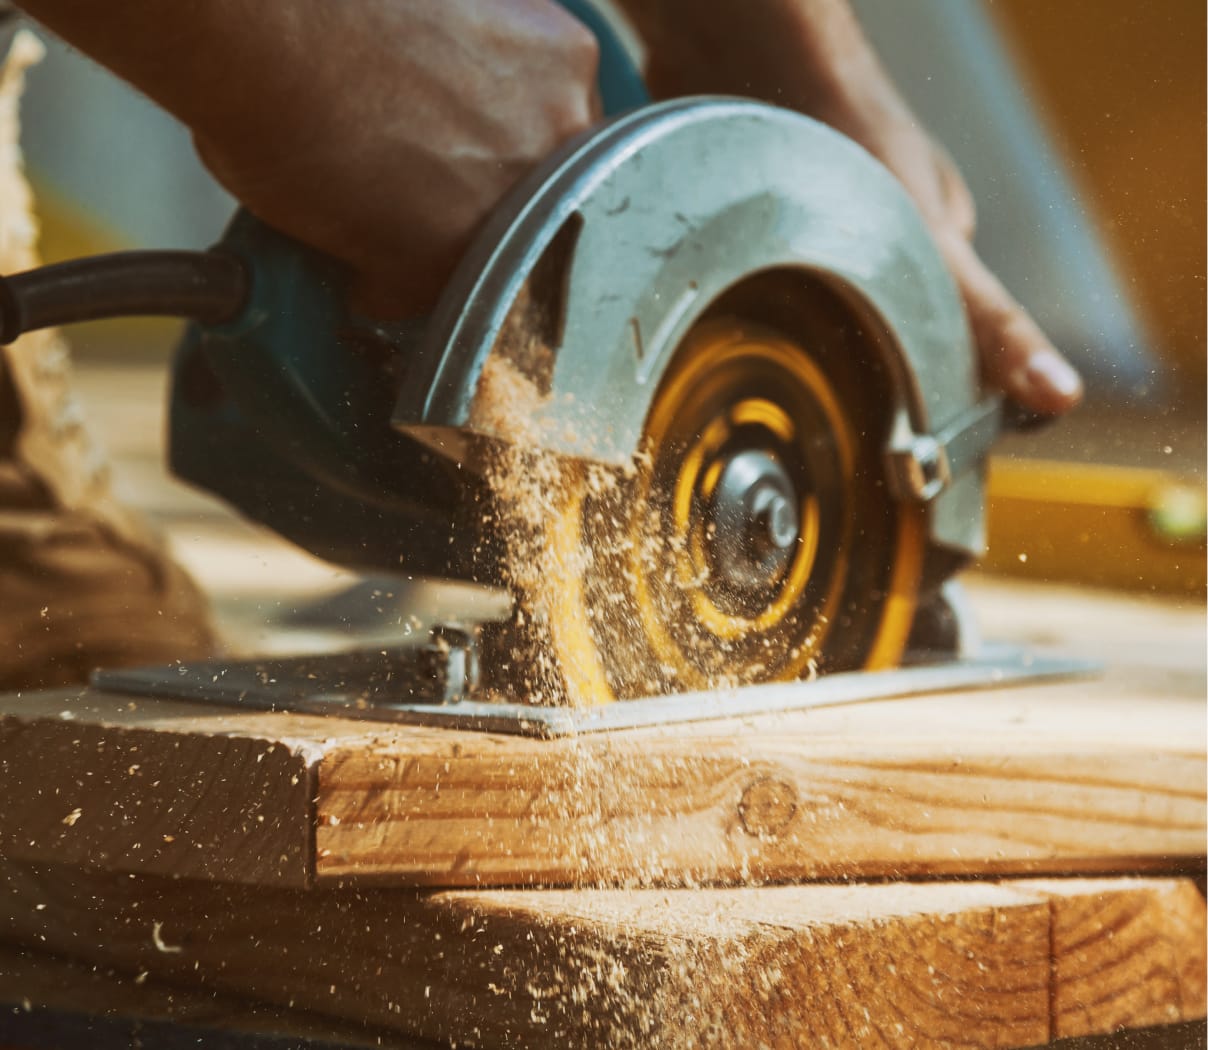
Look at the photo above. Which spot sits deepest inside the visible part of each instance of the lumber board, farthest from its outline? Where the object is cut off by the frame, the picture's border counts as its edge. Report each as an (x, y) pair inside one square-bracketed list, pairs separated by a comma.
[(47, 1001), (1104, 949), (152, 787), (1058, 779), (885, 789), (967, 964), (1089, 776)]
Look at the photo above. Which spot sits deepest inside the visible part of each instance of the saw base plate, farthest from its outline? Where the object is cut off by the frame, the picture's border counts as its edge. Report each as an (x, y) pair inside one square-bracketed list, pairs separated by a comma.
[(379, 685)]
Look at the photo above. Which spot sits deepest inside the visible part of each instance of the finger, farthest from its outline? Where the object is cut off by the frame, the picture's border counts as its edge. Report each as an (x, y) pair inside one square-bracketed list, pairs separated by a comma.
[(1016, 356), (958, 200)]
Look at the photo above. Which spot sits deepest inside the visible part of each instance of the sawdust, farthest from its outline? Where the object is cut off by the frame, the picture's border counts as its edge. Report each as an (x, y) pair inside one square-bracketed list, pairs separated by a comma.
[(535, 494), (557, 559), (641, 971)]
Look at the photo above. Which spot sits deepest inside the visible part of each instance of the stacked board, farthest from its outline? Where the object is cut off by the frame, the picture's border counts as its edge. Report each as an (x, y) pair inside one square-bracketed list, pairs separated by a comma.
[(1001, 869)]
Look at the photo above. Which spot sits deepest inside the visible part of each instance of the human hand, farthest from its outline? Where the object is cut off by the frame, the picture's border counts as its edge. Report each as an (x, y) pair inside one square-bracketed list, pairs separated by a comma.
[(391, 161), (381, 132), (811, 55), (1016, 356)]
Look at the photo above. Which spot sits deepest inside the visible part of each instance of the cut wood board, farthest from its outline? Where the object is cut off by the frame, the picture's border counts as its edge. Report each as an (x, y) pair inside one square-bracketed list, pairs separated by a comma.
[(1103, 945), (897, 965), (51, 1003), (1082, 777)]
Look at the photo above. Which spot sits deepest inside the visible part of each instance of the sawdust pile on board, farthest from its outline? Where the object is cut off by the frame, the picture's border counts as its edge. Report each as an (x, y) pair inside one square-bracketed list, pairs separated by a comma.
[(638, 970)]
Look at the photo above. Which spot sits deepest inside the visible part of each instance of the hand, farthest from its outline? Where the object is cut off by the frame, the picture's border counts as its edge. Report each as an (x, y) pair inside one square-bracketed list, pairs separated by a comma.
[(381, 132), (1016, 356), (811, 55)]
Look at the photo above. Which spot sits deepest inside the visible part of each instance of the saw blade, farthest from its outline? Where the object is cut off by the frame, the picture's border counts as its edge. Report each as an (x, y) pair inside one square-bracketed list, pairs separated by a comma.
[(754, 540)]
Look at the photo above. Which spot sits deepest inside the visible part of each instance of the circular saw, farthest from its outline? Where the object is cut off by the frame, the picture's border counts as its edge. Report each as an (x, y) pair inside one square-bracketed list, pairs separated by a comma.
[(701, 395), (732, 320)]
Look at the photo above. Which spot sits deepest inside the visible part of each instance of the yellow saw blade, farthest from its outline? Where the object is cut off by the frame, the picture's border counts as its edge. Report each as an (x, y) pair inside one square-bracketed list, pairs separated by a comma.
[(663, 580)]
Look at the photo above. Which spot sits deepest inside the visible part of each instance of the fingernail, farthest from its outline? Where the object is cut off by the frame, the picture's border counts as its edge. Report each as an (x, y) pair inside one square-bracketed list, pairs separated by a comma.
[(1050, 369)]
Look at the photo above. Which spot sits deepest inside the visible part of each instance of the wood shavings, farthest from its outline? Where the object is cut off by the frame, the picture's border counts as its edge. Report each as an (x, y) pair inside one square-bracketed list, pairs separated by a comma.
[(158, 941)]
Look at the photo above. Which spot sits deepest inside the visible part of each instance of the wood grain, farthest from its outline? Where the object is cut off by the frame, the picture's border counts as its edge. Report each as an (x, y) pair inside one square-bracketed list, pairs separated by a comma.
[(892, 965), (960, 785), (1058, 779), (1129, 956)]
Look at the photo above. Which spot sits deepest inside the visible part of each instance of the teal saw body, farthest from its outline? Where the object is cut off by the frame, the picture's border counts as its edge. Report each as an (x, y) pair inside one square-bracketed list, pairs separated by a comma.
[(353, 438), (729, 309)]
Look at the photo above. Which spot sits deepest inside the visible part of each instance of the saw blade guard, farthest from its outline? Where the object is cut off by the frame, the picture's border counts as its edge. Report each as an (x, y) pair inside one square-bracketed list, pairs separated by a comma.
[(587, 282)]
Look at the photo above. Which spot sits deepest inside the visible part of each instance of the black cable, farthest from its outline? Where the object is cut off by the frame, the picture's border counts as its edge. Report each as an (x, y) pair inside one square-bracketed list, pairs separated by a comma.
[(210, 287)]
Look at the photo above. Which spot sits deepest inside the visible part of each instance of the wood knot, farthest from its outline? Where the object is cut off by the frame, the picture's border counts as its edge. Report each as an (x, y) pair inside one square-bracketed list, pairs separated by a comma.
[(767, 807)]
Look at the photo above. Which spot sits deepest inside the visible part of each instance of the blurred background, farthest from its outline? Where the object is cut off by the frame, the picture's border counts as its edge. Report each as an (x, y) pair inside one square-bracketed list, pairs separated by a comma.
[(1080, 126)]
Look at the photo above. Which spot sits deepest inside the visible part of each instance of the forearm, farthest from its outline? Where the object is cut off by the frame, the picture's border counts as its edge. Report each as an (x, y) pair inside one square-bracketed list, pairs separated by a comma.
[(277, 76), (193, 63), (381, 132)]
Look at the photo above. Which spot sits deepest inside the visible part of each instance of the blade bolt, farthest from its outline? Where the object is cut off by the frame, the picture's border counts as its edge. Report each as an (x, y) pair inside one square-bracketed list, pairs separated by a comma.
[(756, 519)]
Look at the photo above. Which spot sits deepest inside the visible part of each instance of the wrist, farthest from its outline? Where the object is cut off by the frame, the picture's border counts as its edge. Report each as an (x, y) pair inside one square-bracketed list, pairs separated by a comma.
[(222, 72), (808, 55)]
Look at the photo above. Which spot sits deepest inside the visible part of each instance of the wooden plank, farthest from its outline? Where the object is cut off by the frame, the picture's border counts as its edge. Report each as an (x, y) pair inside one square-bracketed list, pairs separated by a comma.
[(1126, 956), (118, 784), (967, 784), (48, 1001), (909, 965), (1058, 779)]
